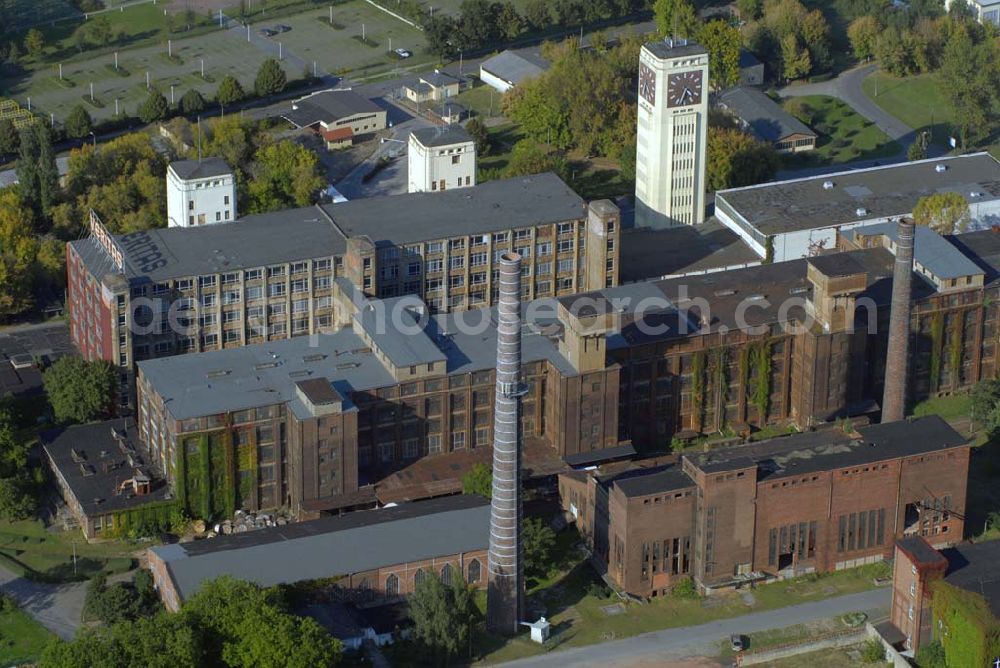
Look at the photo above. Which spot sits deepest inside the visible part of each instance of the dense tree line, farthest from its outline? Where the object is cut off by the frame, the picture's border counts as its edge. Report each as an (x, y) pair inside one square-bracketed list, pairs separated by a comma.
[(227, 623), (481, 24), (791, 40)]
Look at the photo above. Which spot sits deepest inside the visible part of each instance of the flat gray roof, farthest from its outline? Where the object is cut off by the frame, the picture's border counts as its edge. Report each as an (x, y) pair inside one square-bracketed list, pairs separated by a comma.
[(672, 48), (442, 135), (218, 381), (403, 350), (200, 169), (515, 66), (523, 201), (648, 254), (764, 117), (252, 241), (930, 249), (333, 546), (891, 190)]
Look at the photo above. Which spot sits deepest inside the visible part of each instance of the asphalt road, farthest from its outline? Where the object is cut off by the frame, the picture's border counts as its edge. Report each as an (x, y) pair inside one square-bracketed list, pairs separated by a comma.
[(847, 88), (56, 607), (659, 647)]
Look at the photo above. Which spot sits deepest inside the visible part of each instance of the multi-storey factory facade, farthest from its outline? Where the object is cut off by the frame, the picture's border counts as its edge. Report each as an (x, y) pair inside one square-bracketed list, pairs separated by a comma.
[(394, 392), (269, 277)]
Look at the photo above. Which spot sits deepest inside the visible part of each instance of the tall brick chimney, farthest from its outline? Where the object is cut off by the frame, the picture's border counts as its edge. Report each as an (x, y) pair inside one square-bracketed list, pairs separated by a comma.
[(894, 398), (505, 590)]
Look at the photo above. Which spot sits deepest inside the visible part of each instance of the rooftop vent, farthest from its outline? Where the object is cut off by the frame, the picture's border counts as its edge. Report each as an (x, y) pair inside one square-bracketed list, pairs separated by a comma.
[(317, 357), (264, 365), (861, 211), (940, 168), (218, 373), (798, 291), (827, 185), (725, 293), (755, 298)]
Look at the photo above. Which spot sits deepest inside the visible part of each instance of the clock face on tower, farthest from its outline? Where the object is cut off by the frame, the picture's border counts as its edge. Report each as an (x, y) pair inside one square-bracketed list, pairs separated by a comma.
[(647, 83), (684, 89)]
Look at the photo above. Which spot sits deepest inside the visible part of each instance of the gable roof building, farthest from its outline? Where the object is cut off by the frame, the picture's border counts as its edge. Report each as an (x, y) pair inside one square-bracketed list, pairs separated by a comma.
[(358, 545), (767, 121), (509, 68)]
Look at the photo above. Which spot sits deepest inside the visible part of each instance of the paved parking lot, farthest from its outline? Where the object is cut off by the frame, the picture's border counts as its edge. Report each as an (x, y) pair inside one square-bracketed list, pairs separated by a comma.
[(45, 343)]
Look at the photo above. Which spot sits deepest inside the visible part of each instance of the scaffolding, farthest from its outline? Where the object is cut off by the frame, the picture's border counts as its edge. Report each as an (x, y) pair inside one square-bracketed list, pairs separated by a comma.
[(22, 118)]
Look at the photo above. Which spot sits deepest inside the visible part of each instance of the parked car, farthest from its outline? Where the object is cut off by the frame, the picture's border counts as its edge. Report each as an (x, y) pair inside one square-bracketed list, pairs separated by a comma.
[(281, 27), (736, 642), (403, 53), (266, 32)]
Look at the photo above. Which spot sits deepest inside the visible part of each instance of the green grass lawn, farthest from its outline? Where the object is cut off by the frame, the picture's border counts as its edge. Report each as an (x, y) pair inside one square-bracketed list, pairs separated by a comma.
[(845, 135), (481, 101), (949, 408), (22, 639), (915, 100), (27, 548)]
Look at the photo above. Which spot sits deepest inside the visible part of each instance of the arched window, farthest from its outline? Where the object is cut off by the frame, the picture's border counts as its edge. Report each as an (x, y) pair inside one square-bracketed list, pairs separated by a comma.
[(365, 590), (418, 577), (475, 571), (392, 585), (446, 574)]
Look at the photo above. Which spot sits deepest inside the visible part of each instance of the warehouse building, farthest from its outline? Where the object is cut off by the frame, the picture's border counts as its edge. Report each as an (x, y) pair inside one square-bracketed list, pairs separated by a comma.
[(787, 220), (269, 276), (810, 502), (375, 556)]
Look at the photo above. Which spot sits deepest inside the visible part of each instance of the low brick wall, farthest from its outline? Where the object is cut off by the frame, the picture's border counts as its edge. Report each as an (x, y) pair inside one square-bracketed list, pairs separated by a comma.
[(843, 638)]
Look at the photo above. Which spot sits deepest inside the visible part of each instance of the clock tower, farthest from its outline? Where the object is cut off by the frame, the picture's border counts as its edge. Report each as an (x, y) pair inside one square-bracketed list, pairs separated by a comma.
[(672, 134)]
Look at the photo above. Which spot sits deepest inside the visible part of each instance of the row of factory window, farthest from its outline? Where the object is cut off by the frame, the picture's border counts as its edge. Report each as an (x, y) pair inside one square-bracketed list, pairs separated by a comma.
[(672, 555)]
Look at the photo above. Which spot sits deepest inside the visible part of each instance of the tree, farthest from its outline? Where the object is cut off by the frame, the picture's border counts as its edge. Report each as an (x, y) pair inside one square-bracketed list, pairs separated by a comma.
[(440, 31), (18, 248), (79, 390), (945, 213), (984, 400), (750, 10), (537, 14), (814, 32), (736, 159), (795, 61), (18, 487), (270, 79), (112, 603), (538, 540), (529, 157), (918, 149), (722, 41), (480, 135), (192, 102), (78, 122), (970, 80), (9, 137), (230, 91), (38, 177), (246, 626), (863, 33), (34, 43), (286, 175), (478, 480), (675, 18), (154, 108), (442, 616), (510, 23)]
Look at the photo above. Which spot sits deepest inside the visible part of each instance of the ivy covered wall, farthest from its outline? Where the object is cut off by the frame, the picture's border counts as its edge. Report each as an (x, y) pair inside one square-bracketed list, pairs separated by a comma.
[(969, 632), (206, 474)]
